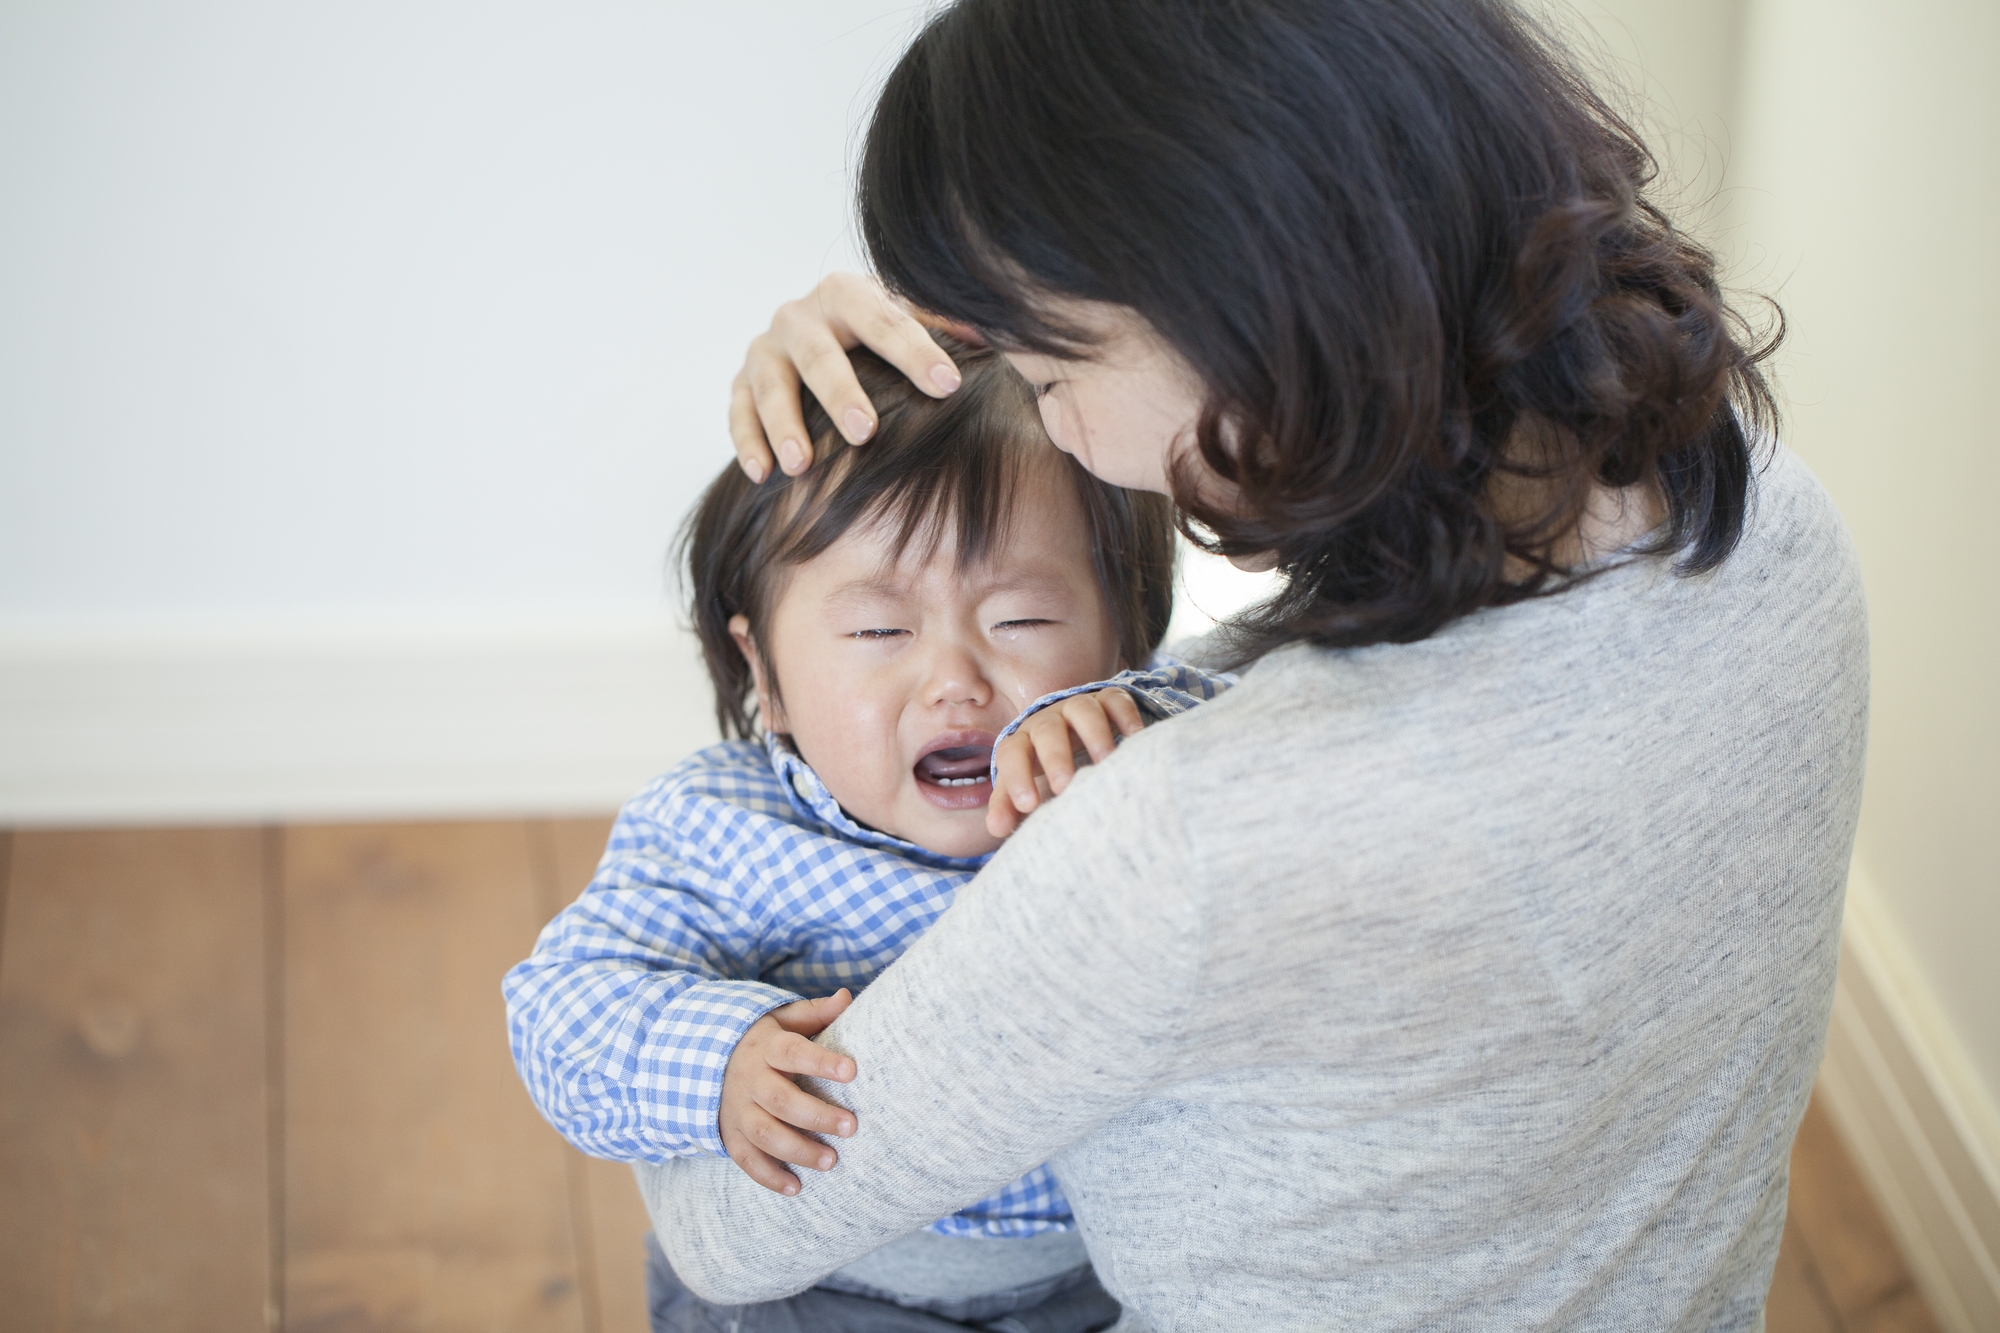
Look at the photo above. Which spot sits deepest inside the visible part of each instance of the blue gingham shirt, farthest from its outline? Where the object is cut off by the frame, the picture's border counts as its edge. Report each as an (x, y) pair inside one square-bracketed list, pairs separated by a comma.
[(732, 885)]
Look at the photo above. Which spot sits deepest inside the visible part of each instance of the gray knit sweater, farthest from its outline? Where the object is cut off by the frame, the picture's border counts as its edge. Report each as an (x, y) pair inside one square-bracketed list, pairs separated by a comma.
[(1472, 983)]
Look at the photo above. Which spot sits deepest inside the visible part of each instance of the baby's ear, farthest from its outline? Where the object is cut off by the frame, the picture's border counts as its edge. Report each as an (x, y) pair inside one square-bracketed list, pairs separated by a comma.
[(768, 708)]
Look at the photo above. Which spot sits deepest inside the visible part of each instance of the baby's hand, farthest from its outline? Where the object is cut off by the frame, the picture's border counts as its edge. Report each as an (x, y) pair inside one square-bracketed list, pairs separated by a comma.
[(1038, 761), (761, 1103)]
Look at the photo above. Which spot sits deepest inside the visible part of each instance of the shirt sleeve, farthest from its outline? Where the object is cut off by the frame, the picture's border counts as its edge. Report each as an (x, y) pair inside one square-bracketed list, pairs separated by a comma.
[(1166, 688), (623, 1019), (1029, 1015)]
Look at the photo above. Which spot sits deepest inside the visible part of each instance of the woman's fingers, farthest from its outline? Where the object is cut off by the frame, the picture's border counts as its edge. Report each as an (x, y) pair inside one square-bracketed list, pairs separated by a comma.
[(848, 310), (863, 313), (746, 432), (807, 344), (771, 380), (817, 353)]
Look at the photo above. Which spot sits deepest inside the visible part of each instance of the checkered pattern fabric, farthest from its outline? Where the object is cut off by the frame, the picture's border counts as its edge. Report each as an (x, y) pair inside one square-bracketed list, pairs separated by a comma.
[(732, 885)]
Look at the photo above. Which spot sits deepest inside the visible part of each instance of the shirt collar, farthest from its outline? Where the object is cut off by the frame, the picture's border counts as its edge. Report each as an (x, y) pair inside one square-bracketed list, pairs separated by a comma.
[(810, 798)]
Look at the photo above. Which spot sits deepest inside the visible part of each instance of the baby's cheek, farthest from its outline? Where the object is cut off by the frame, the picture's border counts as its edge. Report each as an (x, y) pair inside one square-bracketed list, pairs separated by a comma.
[(867, 784), (855, 762)]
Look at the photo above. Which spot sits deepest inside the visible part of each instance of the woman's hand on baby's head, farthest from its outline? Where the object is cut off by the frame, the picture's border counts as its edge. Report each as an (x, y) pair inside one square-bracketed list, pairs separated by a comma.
[(808, 343), (763, 1108), (1039, 760)]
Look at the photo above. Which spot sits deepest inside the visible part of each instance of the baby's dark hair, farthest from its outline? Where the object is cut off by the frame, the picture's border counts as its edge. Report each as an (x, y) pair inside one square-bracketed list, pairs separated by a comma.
[(932, 465)]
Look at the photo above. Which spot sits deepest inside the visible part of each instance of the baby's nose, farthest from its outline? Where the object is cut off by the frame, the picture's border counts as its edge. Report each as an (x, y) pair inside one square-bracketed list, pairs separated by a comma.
[(957, 678)]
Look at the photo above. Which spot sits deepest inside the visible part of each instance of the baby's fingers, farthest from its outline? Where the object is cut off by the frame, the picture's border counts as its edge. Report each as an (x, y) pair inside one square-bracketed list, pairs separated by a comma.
[(793, 1054), (795, 1106), (759, 1165), (1123, 711), (1014, 775), (1050, 733), (1001, 816), (780, 1140), (809, 1018), (1092, 717)]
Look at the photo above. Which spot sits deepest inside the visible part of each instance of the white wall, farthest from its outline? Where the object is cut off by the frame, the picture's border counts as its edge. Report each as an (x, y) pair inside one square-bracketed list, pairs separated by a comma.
[(1671, 67), (393, 311), (1869, 174), (356, 364)]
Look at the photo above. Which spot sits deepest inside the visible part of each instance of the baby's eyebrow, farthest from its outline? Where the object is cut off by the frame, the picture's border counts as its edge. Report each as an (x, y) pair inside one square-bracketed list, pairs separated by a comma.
[(889, 587), (876, 588), (1025, 580)]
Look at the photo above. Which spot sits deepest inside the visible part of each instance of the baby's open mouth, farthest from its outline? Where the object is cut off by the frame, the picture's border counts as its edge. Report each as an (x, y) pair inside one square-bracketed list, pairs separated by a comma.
[(956, 766)]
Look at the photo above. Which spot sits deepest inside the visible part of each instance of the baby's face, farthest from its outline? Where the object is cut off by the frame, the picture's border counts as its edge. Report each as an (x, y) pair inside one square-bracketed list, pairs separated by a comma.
[(897, 678)]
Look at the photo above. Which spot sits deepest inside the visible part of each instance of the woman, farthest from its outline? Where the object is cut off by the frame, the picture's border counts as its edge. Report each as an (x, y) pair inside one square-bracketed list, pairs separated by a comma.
[(1469, 963)]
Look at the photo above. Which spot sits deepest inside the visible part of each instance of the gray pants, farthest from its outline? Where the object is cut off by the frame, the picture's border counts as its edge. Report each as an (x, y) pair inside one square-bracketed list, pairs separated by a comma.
[(1082, 1306)]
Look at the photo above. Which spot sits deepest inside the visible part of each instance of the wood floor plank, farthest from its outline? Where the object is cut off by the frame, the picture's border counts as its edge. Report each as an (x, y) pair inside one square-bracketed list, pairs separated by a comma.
[(618, 1226), (1855, 1255), (422, 1190), (1798, 1302), (609, 1196), (575, 845), (1902, 1311), (132, 1082), (6, 859)]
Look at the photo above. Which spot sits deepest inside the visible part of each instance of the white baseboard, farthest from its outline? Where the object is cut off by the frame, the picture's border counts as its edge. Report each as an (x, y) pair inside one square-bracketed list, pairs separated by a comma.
[(189, 723), (394, 722), (1923, 1129)]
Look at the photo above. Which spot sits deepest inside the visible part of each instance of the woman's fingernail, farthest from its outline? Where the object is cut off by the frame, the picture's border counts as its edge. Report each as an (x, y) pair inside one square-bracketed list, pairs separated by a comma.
[(1023, 802), (754, 469), (791, 1189), (859, 427), (826, 1162), (790, 456), (945, 378)]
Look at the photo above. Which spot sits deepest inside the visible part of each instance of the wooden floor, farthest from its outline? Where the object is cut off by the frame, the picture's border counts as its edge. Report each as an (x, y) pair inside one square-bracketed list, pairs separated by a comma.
[(258, 1078)]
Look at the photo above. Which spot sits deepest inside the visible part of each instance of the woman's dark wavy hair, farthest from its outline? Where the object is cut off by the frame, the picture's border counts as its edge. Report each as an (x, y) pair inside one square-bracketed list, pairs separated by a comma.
[(932, 467), (1403, 243)]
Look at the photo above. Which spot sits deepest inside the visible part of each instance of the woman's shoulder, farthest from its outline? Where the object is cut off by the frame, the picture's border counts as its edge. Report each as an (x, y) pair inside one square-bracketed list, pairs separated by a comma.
[(1792, 516), (1522, 717), (1640, 648)]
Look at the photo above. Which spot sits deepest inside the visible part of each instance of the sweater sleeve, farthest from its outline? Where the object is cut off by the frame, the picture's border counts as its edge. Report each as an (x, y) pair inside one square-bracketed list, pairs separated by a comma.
[(623, 1019), (1049, 999)]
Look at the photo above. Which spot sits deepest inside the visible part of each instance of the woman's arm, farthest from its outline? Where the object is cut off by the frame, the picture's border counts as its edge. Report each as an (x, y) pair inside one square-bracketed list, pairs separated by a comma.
[(1049, 999)]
